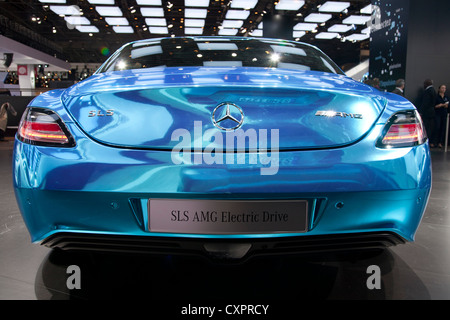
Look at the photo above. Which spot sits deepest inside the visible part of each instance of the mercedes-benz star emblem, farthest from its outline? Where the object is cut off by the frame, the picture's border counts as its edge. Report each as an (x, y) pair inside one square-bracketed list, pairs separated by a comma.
[(227, 116)]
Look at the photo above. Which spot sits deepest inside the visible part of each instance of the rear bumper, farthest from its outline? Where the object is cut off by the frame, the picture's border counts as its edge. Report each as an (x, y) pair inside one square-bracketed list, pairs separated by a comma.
[(217, 248), (48, 213), (95, 192)]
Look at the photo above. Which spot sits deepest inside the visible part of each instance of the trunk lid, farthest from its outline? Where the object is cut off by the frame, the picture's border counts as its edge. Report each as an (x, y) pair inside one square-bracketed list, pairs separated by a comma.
[(157, 109)]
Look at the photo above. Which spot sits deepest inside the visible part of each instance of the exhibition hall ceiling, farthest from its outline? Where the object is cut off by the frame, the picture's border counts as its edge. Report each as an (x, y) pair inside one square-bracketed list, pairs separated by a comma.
[(89, 30)]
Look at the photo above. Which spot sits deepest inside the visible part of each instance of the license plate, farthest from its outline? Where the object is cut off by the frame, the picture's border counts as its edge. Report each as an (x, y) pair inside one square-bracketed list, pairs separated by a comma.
[(227, 217)]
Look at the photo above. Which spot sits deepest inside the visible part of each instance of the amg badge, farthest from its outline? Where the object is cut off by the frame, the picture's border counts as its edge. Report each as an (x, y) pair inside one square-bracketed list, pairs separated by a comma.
[(331, 114)]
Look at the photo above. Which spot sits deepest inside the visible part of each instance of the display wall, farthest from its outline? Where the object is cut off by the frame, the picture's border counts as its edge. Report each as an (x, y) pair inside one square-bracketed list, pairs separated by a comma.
[(410, 40), (428, 51), (388, 41)]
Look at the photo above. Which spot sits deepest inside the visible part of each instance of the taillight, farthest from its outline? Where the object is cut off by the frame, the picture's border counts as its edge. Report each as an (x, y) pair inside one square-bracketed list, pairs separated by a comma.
[(44, 127), (404, 129)]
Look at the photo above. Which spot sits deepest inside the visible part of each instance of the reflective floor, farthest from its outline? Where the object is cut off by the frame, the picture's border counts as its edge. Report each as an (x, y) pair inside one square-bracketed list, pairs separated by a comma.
[(420, 270)]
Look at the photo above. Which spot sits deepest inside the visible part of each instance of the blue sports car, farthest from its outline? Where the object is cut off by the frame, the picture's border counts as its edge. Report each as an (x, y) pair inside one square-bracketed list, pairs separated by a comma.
[(222, 146)]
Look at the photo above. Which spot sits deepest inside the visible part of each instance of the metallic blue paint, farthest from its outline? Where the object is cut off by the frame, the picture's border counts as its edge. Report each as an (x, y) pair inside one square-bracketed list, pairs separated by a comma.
[(149, 110), (126, 158)]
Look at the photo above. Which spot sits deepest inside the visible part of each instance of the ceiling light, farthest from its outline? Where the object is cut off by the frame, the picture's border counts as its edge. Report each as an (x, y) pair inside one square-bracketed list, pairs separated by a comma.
[(101, 1), (88, 29), (237, 14), (52, 1), (305, 26), (356, 20), (358, 37), (109, 11), (228, 32), (290, 5), (366, 30), (367, 9), (195, 13), (327, 35), (232, 23), (334, 6), (149, 2), (256, 33), (123, 29), (196, 3), (318, 17), (159, 30), (161, 22), (77, 20), (152, 12), (217, 46), (244, 4), (340, 28), (146, 51), (194, 23), (275, 57), (116, 21), (193, 30), (298, 34), (65, 10), (288, 50), (121, 65)]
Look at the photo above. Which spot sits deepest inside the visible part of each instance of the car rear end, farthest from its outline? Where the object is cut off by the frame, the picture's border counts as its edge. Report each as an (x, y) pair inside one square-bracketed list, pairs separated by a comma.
[(133, 160)]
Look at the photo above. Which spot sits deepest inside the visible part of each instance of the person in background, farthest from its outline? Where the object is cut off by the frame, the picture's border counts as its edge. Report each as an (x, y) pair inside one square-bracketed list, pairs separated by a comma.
[(427, 110), (4, 109), (441, 109), (399, 87)]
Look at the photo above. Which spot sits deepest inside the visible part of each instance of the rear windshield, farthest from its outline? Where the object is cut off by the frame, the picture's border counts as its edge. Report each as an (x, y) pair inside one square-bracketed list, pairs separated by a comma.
[(219, 52)]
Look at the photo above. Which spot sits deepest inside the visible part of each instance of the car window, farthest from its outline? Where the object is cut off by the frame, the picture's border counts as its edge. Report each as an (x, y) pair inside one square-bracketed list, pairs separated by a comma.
[(219, 52)]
